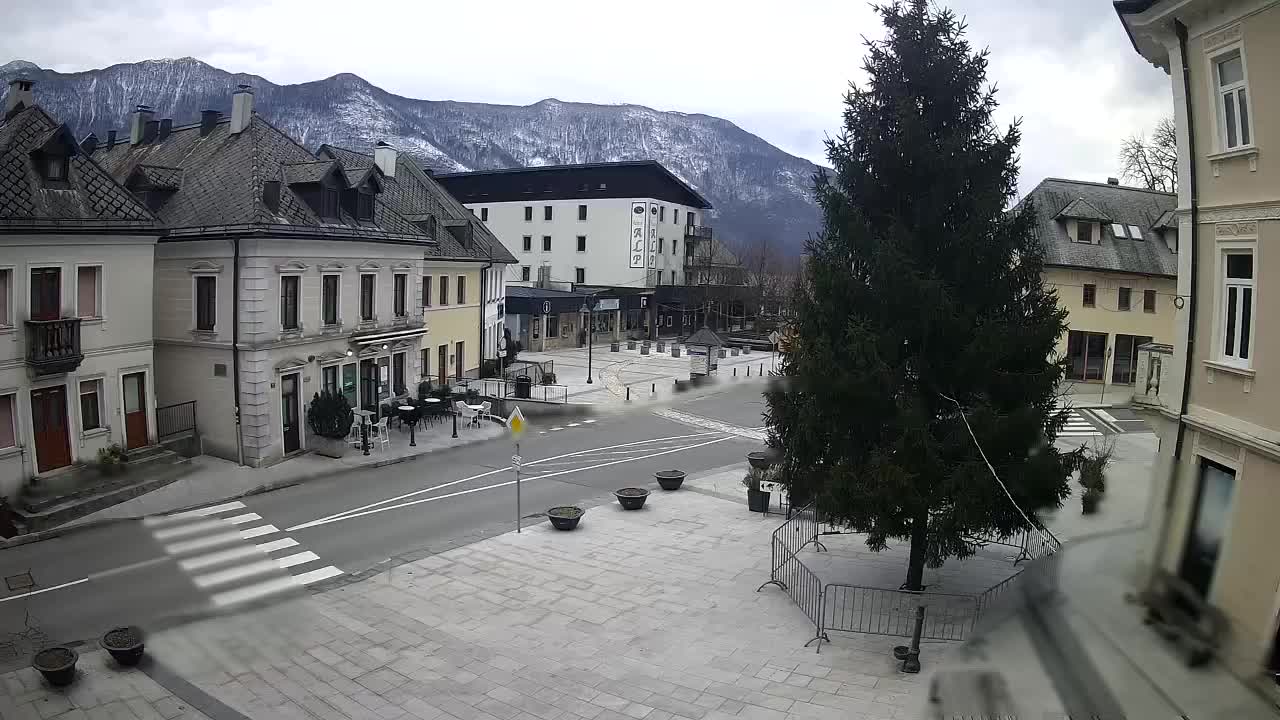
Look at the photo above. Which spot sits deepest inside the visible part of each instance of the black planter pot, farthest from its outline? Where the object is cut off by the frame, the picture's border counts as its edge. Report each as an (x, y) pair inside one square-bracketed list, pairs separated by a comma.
[(565, 518), (757, 501), (1089, 504), (631, 344), (759, 460), (57, 665), (124, 643), (614, 347), (631, 498), (670, 479)]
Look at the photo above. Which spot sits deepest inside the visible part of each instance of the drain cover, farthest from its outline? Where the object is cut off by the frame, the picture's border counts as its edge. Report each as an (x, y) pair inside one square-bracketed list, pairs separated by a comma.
[(23, 581)]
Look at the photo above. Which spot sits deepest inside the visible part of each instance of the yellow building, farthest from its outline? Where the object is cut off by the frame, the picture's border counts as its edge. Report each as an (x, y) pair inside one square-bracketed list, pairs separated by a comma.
[(1216, 400), (1111, 254)]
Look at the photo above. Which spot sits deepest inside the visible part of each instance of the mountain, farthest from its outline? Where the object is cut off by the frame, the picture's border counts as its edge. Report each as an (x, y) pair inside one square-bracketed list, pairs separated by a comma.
[(759, 192)]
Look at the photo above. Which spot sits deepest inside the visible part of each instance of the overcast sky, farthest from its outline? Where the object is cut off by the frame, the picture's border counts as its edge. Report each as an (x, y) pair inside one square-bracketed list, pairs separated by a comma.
[(776, 69)]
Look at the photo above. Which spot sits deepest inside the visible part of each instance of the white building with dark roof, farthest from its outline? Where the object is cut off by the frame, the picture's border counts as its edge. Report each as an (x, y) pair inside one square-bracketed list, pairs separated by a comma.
[(1111, 252)]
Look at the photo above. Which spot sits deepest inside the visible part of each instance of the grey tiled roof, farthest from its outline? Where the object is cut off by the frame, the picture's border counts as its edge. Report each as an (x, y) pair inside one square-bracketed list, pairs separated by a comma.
[(1167, 220), (1084, 210), (416, 196), (1123, 205), (91, 197), (159, 177), (222, 182)]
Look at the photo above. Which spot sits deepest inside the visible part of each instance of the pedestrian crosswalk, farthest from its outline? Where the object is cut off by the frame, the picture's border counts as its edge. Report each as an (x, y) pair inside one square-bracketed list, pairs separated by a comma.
[(235, 555), (558, 428), (1077, 425)]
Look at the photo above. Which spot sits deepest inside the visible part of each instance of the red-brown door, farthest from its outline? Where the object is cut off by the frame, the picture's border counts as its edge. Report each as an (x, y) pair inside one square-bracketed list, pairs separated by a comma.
[(135, 410), (49, 422)]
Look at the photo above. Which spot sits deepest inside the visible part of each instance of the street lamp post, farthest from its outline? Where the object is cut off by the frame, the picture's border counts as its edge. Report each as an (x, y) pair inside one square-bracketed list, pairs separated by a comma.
[(590, 312)]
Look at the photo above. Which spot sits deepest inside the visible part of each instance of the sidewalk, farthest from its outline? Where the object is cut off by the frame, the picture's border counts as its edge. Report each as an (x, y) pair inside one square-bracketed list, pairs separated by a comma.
[(1093, 395), (215, 479), (651, 377), (647, 615)]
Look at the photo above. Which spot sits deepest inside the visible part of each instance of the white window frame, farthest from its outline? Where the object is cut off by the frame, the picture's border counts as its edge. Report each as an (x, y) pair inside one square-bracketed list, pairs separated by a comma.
[(103, 425), (1118, 230), (337, 303), (460, 286), (100, 289), (526, 273), (15, 418), (407, 304), (280, 297), (1224, 284), (7, 324), (360, 298), (1216, 56)]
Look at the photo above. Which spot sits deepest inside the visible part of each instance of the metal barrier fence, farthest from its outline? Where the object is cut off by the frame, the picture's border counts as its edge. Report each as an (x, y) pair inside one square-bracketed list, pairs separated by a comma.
[(176, 419), (881, 611), (877, 611), (504, 389)]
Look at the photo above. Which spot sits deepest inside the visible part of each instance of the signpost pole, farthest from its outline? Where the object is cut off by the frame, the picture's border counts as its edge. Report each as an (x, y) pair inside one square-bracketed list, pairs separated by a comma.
[(517, 467), (516, 423)]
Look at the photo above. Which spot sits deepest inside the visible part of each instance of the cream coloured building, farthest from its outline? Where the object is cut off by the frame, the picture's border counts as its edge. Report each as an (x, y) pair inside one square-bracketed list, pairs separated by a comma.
[(1215, 400), (281, 273), (1110, 253)]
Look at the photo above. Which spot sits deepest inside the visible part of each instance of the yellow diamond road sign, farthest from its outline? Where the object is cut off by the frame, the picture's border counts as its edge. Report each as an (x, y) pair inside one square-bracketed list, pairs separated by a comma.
[(516, 421)]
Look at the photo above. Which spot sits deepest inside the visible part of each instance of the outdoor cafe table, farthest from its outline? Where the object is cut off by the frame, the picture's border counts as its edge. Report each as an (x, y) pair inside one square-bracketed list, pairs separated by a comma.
[(413, 420)]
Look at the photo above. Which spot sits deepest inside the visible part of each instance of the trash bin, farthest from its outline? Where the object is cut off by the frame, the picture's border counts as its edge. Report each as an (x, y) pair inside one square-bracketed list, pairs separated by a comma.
[(524, 386)]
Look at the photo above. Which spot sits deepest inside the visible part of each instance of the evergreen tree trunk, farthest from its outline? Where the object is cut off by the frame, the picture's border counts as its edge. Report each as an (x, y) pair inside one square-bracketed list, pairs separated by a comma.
[(919, 547)]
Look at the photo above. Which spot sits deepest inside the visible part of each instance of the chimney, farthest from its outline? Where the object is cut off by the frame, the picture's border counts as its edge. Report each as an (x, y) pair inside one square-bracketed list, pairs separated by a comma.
[(384, 156), (89, 144), (208, 119), (241, 109), (19, 97), (166, 126), (138, 122), (111, 138), (1113, 181), (150, 131)]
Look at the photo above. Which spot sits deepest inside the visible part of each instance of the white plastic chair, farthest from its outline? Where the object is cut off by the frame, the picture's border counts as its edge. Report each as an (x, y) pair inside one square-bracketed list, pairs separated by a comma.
[(486, 408), (378, 433), (353, 435)]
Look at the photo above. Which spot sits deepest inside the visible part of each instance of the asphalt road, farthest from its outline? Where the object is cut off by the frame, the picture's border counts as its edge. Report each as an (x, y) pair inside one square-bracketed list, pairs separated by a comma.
[(144, 572)]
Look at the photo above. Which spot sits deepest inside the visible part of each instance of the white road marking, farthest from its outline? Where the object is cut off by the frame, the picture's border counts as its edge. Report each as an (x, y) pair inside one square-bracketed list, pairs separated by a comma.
[(588, 421), (275, 545), (218, 558), (194, 528), (352, 515), (242, 519), (258, 531), (556, 428), (239, 572), (574, 424), (298, 559), (45, 590), (493, 472), (198, 512), (204, 543), (1105, 415), (323, 573), (254, 592)]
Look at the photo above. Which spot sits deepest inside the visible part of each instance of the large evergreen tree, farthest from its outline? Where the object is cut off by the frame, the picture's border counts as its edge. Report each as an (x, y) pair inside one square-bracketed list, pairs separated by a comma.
[(922, 288)]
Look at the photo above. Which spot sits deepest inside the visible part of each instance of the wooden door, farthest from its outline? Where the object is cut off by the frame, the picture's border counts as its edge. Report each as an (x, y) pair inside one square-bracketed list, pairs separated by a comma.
[(442, 362), (46, 293), (457, 361), (289, 413), (49, 423), (135, 410)]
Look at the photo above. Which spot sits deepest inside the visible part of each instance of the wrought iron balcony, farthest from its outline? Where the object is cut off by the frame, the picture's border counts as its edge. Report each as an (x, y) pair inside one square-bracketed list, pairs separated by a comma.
[(53, 346), (697, 232)]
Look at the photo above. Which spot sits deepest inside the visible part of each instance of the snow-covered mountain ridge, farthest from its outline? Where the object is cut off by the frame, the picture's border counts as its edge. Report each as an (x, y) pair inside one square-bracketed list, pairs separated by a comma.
[(759, 191)]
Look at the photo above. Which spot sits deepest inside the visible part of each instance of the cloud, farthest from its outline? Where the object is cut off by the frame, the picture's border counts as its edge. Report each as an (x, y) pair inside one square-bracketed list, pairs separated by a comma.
[(779, 71)]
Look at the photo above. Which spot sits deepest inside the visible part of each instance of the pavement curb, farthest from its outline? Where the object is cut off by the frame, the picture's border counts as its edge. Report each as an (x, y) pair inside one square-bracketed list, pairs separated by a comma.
[(52, 533)]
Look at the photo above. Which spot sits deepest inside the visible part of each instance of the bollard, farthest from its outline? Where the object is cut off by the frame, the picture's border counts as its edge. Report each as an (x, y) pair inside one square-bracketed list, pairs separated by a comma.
[(735, 372), (628, 393), (748, 371), (761, 373), (653, 388)]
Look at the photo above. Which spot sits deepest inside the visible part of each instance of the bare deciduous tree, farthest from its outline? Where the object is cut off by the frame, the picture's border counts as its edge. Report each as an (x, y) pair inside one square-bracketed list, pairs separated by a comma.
[(1152, 162)]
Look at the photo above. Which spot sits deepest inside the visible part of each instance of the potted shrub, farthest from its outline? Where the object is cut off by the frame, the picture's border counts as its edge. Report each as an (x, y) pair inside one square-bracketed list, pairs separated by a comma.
[(329, 417), (1093, 478), (57, 665), (424, 389), (631, 344), (549, 378), (111, 459), (124, 643), (757, 499), (759, 460), (631, 498), (565, 517), (670, 479), (614, 346), (1089, 501), (472, 396)]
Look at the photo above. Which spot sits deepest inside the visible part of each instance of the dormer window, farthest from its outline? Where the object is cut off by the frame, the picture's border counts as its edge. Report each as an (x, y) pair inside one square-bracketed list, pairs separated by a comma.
[(55, 168), (1084, 232), (364, 206), (329, 202)]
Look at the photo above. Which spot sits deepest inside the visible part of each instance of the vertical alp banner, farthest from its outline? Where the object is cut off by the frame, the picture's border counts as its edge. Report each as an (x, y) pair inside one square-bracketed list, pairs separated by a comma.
[(653, 235), (639, 233)]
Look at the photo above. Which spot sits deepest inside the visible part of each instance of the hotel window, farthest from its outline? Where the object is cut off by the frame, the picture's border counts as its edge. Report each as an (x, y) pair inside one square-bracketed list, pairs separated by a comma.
[(546, 243), (582, 212), (484, 214), (527, 245), (1237, 308), (582, 243), (524, 273), (579, 275), (1149, 301), (398, 373), (528, 213), (1084, 232), (462, 289), (444, 289), (206, 302), (329, 379), (1233, 100), (89, 292), (546, 212), (329, 299), (1124, 298), (90, 405), (400, 291), (1090, 295), (289, 302), (8, 419), (6, 297), (426, 291), (367, 284)]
